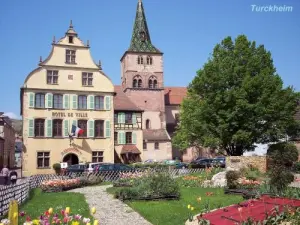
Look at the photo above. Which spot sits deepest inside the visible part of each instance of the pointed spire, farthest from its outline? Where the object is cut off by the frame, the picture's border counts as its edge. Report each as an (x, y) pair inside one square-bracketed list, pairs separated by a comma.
[(41, 60), (71, 31), (100, 65), (140, 40), (53, 41)]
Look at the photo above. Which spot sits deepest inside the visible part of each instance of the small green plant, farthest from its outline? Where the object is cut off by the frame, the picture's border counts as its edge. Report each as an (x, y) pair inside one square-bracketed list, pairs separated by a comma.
[(232, 178), (57, 168)]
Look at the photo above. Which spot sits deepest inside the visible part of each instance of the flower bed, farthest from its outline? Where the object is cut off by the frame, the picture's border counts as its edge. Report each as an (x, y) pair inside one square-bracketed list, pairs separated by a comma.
[(60, 185), (50, 217)]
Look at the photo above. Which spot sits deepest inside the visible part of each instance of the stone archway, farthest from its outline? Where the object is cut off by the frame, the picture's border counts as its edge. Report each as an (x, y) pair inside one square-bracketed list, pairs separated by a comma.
[(71, 159)]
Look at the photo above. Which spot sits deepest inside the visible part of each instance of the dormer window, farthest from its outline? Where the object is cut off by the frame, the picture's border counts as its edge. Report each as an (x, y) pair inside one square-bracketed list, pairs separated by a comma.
[(70, 56), (71, 39)]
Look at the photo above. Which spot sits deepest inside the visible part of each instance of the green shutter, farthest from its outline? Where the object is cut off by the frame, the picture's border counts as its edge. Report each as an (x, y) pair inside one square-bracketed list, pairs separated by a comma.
[(119, 138), (30, 99), (74, 122), (66, 101), (107, 128), (49, 128), (91, 128), (133, 138), (66, 128), (107, 102), (49, 100), (123, 138), (91, 102), (133, 118), (74, 101), (123, 118), (119, 117), (30, 127)]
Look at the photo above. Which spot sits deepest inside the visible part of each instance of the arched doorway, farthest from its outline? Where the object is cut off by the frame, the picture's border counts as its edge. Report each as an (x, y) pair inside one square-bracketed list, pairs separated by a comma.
[(71, 159)]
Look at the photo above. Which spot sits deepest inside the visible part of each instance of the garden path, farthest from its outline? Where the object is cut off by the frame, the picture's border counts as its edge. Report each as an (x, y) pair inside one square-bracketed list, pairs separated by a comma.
[(110, 211)]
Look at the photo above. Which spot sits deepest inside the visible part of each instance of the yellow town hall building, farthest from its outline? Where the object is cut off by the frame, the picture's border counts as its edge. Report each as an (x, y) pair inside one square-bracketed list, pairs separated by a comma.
[(123, 123), (67, 89)]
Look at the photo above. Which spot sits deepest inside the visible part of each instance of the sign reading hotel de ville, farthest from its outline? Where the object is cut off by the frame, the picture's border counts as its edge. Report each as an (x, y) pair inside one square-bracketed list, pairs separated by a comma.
[(69, 114)]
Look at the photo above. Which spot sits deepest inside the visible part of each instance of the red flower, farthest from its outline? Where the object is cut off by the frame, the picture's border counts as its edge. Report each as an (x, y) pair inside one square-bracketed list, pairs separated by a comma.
[(28, 219)]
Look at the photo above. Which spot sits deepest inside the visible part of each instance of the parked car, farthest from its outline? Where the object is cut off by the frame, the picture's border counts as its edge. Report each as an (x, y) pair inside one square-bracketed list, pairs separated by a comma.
[(181, 165), (199, 158), (202, 163), (106, 167), (91, 166), (76, 168), (219, 161)]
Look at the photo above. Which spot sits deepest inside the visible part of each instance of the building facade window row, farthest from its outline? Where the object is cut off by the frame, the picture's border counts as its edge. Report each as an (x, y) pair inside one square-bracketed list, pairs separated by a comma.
[(141, 61), (69, 101), (124, 138), (59, 128), (125, 118), (43, 158), (86, 78), (156, 145)]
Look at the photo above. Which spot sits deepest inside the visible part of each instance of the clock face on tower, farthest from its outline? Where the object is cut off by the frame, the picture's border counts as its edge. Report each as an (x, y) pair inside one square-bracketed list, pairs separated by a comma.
[(143, 36)]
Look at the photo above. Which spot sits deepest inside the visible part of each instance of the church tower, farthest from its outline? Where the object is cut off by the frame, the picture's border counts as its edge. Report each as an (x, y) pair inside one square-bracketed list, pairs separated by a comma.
[(142, 73)]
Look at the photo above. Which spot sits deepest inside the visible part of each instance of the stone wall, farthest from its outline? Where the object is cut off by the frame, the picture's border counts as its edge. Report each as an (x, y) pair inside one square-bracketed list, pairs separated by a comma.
[(237, 162)]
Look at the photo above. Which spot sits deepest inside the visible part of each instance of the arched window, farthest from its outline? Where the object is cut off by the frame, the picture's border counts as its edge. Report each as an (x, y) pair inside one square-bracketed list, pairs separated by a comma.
[(140, 83), (137, 81), (140, 60), (155, 84), (147, 124), (134, 84), (152, 83), (149, 60)]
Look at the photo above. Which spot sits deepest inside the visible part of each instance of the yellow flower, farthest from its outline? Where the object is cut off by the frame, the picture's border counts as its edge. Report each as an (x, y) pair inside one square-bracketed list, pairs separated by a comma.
[(93, 210), (189, 206), (67, 210), (15, 215), (75, 223), (95, 222), (199, 199), (35, 222), (50, 210), (192, 208), (88, 223)]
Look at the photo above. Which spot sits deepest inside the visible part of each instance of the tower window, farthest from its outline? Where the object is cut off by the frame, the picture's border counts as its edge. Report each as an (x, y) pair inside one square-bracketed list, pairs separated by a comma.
[(147, 124), (152, 83), (140, 83), (140, 60), (134, 84), (71, 40), (149, 60)]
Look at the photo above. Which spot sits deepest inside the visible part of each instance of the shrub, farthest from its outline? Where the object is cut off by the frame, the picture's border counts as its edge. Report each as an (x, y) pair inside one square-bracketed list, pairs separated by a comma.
[(296, 167), (251, 173), (282, 157), (232, 179), (57, 168), (152, 186)]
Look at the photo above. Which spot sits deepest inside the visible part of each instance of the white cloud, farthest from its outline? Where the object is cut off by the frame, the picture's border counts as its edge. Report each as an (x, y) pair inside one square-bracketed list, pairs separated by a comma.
[(12, 115)]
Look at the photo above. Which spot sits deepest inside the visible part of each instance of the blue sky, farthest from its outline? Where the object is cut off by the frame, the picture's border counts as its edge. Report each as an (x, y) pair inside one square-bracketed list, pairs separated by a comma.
[(185, 30)]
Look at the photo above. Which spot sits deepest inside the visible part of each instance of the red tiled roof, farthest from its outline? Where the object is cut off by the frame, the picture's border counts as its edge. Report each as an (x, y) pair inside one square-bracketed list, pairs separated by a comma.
[(156, 135), (130, 149), (175, 95), (122, 102)]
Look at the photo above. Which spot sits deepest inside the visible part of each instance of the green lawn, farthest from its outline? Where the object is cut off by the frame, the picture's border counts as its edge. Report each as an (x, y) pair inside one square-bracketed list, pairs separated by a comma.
[(40, 202), (175, 212)]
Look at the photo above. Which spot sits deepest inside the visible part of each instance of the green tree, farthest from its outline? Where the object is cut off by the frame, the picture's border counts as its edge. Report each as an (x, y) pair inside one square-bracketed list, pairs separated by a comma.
[(236, 99)]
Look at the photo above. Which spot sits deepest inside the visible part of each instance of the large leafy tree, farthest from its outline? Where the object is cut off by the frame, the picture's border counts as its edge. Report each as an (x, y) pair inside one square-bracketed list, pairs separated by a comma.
[(236, 99)]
